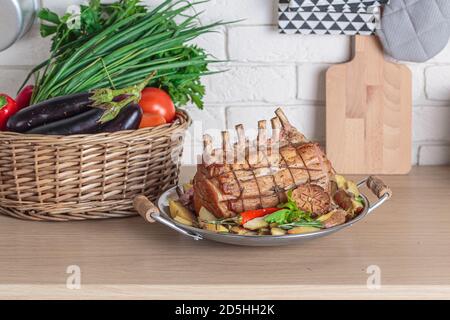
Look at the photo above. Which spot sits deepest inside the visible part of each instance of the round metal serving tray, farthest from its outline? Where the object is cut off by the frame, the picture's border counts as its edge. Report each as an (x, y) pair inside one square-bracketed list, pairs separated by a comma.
[(161, 214)]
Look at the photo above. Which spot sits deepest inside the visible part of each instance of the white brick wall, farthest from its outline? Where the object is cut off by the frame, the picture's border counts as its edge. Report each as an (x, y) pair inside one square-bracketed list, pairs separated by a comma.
[(307, 118), (311, 81), (434, 155), (437, 82), (263, 43), (252, 83), (11, 79), (266, 69), (28, 51)]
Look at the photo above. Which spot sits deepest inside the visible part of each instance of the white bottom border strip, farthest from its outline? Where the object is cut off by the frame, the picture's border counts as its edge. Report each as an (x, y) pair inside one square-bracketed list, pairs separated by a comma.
[(235, 292)]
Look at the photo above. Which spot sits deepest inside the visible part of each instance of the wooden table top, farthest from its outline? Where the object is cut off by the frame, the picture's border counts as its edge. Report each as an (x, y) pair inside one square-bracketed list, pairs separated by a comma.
[(408, 239)]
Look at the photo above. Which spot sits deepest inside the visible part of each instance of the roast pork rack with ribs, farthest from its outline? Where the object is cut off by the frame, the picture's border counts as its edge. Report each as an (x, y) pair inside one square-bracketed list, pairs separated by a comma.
[(252, 175)]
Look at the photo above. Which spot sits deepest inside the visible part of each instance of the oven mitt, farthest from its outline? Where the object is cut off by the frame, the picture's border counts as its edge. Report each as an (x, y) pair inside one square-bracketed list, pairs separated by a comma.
[(415, 30)]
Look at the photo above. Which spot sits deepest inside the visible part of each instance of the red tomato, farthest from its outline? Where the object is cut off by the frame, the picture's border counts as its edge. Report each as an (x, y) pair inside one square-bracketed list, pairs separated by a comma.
[(151, 120), (157, 101)]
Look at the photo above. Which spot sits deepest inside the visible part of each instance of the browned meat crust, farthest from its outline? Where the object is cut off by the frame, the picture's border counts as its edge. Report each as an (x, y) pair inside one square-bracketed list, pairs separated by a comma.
[(338, 218), (228, 189), (261, 177)]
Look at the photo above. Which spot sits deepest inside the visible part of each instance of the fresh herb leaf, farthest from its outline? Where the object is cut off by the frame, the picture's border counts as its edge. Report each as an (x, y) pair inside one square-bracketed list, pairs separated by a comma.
[(359, 199), (48, 16), (289, 213), (46, 30), (315, 224), (279, 217)]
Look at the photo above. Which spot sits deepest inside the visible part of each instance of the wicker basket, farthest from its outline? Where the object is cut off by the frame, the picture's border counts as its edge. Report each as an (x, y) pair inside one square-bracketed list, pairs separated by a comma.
[(62, 178)]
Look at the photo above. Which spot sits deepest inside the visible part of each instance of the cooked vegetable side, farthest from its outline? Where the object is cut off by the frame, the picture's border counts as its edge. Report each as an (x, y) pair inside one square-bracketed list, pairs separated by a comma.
[(287, 186), (281, 188), (288, 218), (246, 216)]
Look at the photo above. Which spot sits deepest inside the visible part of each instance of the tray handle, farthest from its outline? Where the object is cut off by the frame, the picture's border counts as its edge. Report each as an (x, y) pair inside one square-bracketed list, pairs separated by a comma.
[(379, 188), (151, 213), (145, 208)]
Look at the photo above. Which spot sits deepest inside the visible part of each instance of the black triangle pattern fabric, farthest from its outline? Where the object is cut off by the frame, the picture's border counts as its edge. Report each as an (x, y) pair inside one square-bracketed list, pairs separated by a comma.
[(330, 17), (334, 5)]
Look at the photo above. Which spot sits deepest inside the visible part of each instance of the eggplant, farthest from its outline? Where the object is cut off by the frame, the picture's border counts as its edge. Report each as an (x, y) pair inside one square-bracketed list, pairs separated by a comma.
[(86, 122), (49, 111), (128, 118)]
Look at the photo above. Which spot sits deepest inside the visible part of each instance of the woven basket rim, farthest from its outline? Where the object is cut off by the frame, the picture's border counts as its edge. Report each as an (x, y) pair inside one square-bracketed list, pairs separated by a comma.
[(182, 121), (91, 176)]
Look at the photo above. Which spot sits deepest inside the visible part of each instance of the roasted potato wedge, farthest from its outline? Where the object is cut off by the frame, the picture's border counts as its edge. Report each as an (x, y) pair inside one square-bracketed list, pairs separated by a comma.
[(326, 216), (340, 180), (298, 230), (205, 216), (238, 230), (242, 231), (187, 187), (352, 188), (183, 221), (264, 232), (215, 227), (255, 224), (178, 210), (277, 231)]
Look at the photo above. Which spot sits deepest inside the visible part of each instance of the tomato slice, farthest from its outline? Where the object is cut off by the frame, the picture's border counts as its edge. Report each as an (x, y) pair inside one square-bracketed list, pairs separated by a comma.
[(157, 101), (151, 120)]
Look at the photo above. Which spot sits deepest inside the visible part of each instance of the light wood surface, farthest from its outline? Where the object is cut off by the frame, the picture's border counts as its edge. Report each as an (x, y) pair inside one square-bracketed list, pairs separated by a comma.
[(368, 113), (407, 238)]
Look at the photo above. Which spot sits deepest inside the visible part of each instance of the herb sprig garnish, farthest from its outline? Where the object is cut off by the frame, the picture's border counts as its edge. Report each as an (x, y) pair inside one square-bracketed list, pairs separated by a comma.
[(292, 216)]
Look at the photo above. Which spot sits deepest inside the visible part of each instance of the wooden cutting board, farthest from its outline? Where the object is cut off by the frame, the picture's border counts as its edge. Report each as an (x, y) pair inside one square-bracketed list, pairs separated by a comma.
[(368, 113)]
